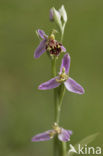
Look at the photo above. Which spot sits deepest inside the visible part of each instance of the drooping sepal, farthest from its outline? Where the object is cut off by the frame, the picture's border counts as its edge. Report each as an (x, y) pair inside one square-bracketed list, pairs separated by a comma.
[(64, 135), (52, 83), (73, 86), (43, 136)]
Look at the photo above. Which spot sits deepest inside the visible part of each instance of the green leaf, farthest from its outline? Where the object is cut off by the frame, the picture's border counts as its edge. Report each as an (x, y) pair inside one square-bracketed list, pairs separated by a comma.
[(84, 142)]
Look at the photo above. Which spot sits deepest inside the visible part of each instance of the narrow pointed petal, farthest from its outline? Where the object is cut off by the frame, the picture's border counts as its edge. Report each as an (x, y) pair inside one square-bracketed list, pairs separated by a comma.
[(41, 33), (73, 86), (43, 136), (52, 83), (64, 135), (65, 63), (40, 49), (63, 49)]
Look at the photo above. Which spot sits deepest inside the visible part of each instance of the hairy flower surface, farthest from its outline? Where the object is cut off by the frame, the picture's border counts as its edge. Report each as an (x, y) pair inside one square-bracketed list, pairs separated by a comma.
[(63, 134), (48, 44), (70, 84)]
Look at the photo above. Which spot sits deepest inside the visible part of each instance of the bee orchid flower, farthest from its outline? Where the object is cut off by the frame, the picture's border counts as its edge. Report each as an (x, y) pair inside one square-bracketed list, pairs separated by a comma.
[(63, 134), (63, 77), (48, 44)]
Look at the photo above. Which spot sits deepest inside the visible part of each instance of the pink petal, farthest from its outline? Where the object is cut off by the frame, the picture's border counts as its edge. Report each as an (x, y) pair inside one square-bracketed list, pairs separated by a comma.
[(64, 135), (65, 63), (42, 34), (40, 49), (63, 49), (43, 136), (73, 86), (52, 83)]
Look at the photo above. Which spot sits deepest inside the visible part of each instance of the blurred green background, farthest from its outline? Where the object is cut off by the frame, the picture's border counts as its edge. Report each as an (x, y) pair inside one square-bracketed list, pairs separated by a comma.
[(24, 110)]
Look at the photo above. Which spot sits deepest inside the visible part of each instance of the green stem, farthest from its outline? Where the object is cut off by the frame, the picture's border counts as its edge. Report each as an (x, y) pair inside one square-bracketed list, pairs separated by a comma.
[(55, 104), (62, 34), (54, 66), (61, 91), (55, 90), (58, 99), (64, 148), (61, 95)]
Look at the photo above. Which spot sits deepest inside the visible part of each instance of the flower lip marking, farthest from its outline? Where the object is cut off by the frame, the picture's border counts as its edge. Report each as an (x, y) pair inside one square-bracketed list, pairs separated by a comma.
[(54, 47), (63, 76)]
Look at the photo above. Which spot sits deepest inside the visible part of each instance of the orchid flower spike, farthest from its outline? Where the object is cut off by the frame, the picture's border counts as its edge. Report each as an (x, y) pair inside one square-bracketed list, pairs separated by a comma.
[(48, 44), (63, 134), (70, 84)]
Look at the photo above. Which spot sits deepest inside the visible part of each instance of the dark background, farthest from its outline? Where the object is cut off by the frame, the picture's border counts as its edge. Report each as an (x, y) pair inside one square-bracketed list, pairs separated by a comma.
[(24, 110)]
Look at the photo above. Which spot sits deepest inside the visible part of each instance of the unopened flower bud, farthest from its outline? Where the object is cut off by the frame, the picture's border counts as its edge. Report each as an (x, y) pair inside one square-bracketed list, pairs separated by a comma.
[(57, 17), (63, 13)]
